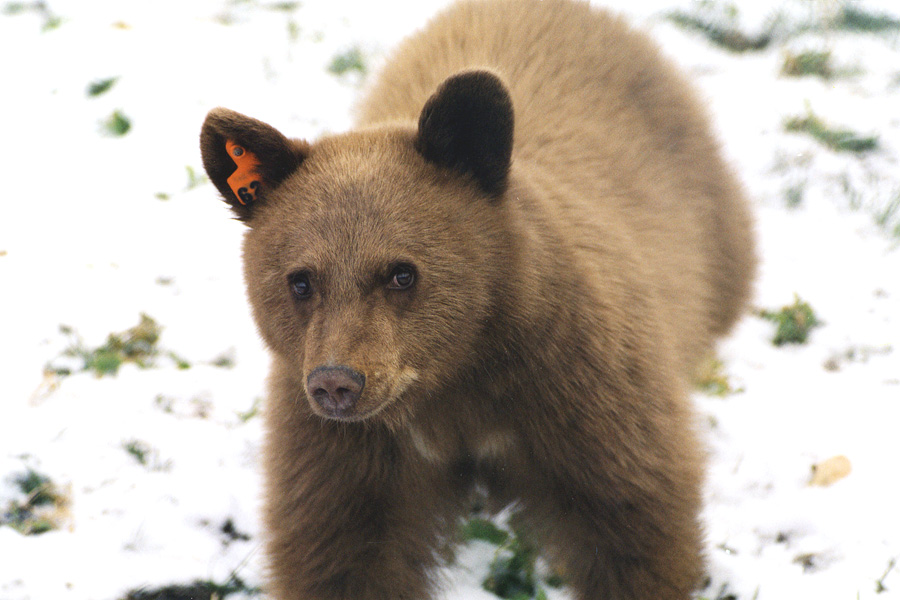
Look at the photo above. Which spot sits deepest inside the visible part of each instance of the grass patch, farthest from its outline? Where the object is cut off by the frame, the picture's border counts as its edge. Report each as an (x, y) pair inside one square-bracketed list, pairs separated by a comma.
[(11, 9), (294, 30), (198, 590), (284, 6), (881, 202), (180, 362), (51, 21), (145, 455), (816, 63), (711, 379), (793, 195), (793, 322), (879, 584), (164, 403), (723, 34), (137, 449), (117, 124), (38, 512), (483, 530), (100, 86), (37, 487), (137, 345), (889, 213), (226, 360), (836, 138), (350, 61), (195, 178), (723, 594), (512, 573), (853, 18), (232, 533), (252, 412)]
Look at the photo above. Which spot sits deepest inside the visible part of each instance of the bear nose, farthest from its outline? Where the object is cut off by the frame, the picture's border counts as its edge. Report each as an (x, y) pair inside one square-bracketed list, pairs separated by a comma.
[(335, 389)]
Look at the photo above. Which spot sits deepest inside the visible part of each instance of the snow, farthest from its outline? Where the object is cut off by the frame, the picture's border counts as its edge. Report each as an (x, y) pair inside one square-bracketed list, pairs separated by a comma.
[(86, 242)]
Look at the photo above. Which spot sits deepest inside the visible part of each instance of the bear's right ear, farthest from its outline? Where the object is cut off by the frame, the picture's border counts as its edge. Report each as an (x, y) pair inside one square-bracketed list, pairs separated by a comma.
[(467, 126), (246, 159)]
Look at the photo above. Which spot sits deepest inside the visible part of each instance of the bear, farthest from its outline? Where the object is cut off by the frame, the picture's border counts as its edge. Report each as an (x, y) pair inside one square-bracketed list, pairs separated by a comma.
[(499, 280)]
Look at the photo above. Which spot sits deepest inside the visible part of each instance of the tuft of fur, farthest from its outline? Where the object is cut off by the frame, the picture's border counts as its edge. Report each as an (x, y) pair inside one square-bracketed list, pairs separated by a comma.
[(516, 259)]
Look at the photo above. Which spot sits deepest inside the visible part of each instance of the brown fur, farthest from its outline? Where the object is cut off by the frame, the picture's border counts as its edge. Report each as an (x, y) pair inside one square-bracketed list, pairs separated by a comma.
[(570, 269)]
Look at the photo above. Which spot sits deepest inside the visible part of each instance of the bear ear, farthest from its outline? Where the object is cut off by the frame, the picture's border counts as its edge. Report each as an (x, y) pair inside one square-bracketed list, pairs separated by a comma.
[(467, 125), (245, 158)]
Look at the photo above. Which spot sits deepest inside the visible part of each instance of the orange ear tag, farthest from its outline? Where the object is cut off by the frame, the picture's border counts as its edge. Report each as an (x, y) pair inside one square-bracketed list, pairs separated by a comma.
[(244, 182)]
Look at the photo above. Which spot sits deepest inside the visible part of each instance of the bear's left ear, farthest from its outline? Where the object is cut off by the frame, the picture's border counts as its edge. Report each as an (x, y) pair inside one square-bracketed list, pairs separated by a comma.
[(246, 158), (467, 125)]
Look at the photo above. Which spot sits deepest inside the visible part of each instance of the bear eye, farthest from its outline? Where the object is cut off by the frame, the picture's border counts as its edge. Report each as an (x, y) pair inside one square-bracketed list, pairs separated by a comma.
[(300, 285), (402, 277)]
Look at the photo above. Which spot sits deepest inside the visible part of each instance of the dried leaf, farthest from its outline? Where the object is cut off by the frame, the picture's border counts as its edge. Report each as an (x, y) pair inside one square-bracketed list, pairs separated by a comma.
[(831, 470)]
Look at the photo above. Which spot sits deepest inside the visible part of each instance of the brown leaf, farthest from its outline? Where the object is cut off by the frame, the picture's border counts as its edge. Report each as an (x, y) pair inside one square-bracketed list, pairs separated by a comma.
[(831, 470)]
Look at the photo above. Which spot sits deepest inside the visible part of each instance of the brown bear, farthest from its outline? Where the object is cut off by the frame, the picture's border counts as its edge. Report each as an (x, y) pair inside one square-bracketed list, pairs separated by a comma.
[(501, 278)]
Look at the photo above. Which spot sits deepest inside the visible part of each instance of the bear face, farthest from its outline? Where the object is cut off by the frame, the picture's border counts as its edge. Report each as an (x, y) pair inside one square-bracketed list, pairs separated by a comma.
[(345, 271)]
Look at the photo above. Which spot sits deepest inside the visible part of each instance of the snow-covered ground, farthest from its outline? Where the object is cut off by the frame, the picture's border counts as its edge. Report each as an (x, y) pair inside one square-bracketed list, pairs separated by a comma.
[(96, 229)]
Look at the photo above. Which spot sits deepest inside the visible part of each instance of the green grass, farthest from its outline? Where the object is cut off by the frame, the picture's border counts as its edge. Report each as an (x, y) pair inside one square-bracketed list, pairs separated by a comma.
[(890, 213), (284, 6), (180, 362), (484, 530), (197, 590), (808, 63), (195, 178), (852, 18), (835, 138), (117, 124), (15, 8), (882, 203), (225, 360), (253, 411), (37, 487), (725, 35), (51, 21), (712, 380), (36, 513), (880, 588), (101, 86), (793, 195), (793, 322), (24, 520), (294, 30), (164, 403), (146, 455), (139, 450), (512, 573), (723, 594), (350, 61), (137, 345)]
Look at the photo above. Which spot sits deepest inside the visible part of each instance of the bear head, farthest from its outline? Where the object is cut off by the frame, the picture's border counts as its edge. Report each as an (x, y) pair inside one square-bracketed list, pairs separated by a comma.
[(374, 259)]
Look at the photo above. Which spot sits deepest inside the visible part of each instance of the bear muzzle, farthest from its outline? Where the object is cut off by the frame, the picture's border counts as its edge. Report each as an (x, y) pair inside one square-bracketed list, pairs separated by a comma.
[(336, 390)]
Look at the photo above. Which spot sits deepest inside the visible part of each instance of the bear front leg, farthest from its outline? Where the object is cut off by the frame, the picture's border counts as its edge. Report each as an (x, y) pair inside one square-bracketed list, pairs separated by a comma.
[(622, 525), (345, 517), (625, 552)]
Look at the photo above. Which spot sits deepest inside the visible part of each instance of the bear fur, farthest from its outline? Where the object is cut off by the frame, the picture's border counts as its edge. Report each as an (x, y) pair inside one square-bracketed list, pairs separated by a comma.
[(503, 277)]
